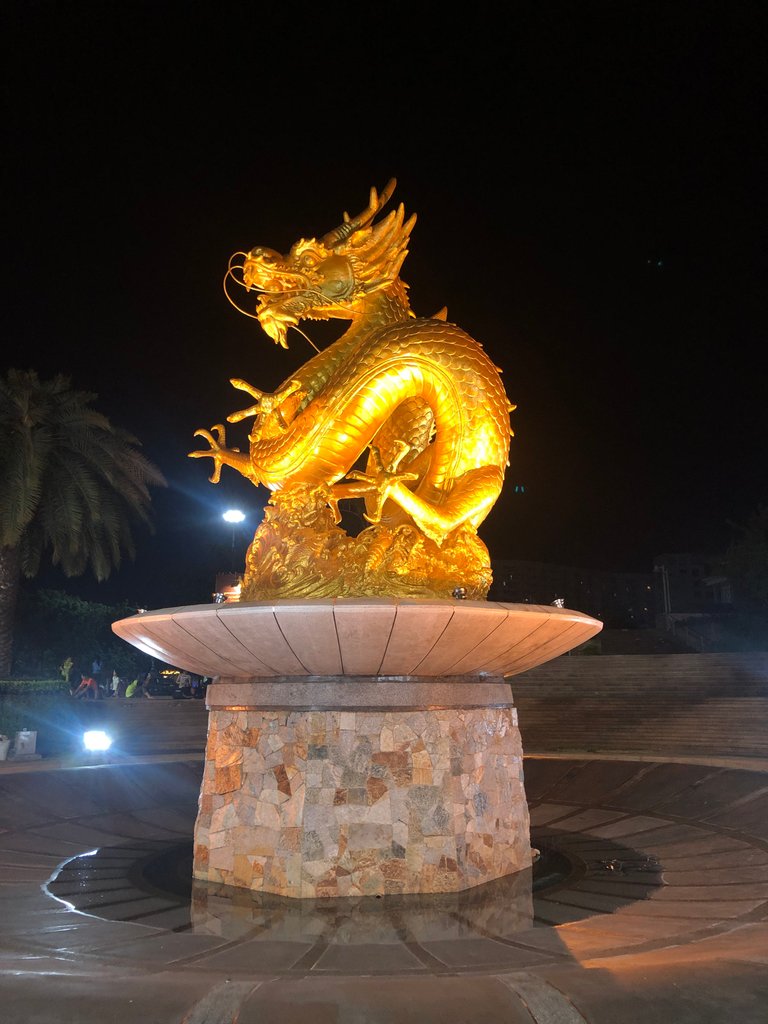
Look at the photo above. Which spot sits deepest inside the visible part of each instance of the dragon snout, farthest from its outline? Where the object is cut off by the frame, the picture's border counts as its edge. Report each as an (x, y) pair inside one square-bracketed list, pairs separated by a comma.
[(261, 266), (267, 272)]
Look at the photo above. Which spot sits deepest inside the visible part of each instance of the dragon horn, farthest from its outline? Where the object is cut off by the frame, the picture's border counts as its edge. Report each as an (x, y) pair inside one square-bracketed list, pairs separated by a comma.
[(349, 226)]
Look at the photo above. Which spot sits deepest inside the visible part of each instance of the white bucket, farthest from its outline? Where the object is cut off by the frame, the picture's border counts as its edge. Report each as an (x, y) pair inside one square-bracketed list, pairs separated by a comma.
[(24, 743)]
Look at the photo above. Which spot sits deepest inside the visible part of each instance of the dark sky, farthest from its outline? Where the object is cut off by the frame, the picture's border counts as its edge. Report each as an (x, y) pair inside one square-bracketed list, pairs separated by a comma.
[(589, 181)]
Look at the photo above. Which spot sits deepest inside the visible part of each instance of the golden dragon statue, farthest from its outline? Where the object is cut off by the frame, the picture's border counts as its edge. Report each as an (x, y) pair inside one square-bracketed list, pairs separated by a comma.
[(404, 414)]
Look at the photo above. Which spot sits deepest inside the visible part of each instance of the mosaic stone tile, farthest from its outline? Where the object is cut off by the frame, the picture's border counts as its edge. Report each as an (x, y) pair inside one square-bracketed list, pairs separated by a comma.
[(331, 803)]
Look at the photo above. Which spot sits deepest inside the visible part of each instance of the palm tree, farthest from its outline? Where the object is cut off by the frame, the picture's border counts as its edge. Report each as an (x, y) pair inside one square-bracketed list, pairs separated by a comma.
[(71, 485)]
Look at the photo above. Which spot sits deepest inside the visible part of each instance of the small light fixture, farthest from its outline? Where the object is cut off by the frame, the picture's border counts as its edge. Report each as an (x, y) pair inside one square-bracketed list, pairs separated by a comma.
[(559, 602)]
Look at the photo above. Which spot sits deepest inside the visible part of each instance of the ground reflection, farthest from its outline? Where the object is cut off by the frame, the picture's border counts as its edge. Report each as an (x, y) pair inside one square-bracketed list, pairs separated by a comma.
[(503, 908), (150, 882)]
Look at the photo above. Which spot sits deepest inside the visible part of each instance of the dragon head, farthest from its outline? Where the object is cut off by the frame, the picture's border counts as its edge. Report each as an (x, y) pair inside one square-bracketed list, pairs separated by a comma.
[(329, 277)]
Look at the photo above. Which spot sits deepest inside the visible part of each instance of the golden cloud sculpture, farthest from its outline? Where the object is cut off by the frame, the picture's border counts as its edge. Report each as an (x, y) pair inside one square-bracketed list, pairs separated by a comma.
[(404, 415)]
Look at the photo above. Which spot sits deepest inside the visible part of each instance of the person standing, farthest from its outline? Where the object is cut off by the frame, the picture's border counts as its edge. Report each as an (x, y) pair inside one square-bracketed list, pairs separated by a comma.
[(184, 684), (149, 680), (66, 668)]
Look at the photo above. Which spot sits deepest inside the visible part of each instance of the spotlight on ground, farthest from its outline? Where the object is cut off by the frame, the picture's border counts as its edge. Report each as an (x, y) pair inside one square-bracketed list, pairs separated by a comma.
[(96, 739)]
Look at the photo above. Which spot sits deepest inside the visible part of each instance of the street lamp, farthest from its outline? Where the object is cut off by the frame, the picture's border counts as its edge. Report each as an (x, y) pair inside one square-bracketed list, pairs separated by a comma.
[(233, 516), (665, 593)]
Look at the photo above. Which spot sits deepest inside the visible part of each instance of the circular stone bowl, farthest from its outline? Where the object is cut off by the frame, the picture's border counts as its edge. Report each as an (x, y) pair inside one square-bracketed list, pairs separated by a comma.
[(358, 637)]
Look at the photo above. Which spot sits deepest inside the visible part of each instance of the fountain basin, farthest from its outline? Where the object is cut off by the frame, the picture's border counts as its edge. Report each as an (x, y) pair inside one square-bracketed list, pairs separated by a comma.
[(358, 637)]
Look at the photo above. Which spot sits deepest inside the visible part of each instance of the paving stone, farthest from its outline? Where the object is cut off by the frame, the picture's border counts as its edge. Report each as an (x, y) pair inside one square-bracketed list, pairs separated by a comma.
[(443, 1000), (380, 958), (700, 994), (480, 952)]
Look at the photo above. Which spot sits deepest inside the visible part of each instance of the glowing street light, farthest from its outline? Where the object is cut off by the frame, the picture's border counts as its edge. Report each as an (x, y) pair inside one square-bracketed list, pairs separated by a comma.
[(233, 516)]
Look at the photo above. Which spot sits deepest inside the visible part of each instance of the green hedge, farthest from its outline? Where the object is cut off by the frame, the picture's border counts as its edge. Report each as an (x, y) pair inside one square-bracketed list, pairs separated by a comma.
[(32, 686), (52, 625)]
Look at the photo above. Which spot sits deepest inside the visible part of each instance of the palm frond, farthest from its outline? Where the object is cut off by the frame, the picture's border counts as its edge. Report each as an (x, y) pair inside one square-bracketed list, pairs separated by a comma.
[(71, 483)]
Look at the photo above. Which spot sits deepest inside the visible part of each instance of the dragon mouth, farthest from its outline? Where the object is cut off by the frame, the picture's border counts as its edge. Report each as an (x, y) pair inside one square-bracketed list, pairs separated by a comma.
[(267, 271), (275, 320), (276, 315)]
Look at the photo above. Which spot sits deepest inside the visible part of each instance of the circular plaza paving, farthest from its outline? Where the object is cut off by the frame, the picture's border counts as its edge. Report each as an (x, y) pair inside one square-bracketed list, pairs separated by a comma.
[(650, 904)]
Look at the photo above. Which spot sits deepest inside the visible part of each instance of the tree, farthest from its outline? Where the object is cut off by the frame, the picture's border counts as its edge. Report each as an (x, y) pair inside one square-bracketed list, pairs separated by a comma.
[(746, 562), (52, 625), (72, 486)]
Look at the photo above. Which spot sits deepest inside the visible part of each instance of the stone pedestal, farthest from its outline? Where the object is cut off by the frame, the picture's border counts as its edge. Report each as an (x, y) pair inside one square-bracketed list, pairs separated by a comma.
[(360, 746), (348, 786)]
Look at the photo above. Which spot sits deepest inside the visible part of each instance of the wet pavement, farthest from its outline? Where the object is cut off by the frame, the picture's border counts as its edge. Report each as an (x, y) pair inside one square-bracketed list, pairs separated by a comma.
[(652, 905)]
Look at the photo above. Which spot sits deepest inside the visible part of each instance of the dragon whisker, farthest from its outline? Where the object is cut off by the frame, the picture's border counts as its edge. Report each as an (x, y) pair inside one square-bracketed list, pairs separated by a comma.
[(253, 316), (306, 337), (232, 302), (235, 255)]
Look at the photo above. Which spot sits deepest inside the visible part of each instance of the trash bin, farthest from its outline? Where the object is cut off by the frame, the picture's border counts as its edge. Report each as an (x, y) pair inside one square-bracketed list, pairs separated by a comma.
[(4, 745)]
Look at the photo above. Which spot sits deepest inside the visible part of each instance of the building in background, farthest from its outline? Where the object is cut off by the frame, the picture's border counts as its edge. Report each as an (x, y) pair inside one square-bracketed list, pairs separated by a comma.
[(686, 593), (692, 582), (621, 600), (227, 587)]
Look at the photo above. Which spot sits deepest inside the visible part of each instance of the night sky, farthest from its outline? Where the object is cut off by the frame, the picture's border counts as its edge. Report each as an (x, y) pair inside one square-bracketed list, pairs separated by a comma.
[(590, 187)]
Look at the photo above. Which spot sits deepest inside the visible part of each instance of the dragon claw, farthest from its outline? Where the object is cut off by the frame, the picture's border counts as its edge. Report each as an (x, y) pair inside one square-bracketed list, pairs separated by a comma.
[(384, 478), (265, 404), (333, 505), (216, 453)]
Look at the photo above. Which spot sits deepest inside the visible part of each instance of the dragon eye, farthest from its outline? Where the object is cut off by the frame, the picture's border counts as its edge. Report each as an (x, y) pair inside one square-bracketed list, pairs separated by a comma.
[(308, 259), (262, 255)]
